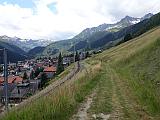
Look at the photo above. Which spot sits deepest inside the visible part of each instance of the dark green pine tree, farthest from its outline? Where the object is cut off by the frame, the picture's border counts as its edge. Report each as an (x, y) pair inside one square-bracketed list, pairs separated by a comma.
[(37, 71), (60, 67), (77, 57), (1, 69), (32, 76), (87, 54), (127, 37), (25, 76), (44, 79)]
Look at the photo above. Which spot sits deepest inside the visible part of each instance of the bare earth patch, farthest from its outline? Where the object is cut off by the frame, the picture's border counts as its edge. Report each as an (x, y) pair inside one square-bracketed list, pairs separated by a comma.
[(101, 116), (82, 113)]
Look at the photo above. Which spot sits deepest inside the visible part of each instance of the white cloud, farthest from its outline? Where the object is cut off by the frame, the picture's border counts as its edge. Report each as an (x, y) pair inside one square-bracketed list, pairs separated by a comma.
[(70, 17)]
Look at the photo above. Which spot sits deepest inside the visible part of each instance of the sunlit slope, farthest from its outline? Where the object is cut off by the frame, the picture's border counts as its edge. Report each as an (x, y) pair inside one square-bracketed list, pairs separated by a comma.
[(131, 47), (133, 71)]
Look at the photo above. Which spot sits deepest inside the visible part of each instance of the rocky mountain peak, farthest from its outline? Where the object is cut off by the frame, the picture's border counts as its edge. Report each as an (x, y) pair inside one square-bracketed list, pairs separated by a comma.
[(147, 16)]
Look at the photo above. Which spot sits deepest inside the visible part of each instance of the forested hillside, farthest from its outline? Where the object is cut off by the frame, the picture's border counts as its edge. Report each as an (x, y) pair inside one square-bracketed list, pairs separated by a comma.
[(14, 53)]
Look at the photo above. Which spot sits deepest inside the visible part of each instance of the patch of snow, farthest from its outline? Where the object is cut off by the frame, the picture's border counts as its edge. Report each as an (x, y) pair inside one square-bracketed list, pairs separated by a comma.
[(115, 26), (135, 21)]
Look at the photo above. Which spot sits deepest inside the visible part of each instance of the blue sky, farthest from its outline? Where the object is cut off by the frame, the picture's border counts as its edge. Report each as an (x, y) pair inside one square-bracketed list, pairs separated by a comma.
[(21, 3), (62, 19), (28, 4), (52, 7)]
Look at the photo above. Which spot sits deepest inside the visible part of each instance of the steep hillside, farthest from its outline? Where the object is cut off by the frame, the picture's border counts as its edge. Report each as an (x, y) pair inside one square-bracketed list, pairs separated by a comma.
[(123, 81), (124, 22), (35, 51), (58, 46), (132, 80), (83, 44), (134, 30), (14, 53)]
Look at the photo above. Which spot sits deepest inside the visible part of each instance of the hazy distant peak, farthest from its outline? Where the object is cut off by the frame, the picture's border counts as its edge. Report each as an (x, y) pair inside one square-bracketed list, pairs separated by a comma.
[(147, 16)]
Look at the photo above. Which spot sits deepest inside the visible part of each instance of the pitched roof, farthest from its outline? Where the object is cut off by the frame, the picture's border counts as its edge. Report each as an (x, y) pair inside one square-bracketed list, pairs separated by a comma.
[(18, 79), (50, 69), (12, 79)]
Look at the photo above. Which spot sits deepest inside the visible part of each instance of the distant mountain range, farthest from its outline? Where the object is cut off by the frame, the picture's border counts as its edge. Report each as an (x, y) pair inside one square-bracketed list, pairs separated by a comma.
[(100, 37), (25, 44), (135, 30), (125, 22), (21, 49), (88, 36)]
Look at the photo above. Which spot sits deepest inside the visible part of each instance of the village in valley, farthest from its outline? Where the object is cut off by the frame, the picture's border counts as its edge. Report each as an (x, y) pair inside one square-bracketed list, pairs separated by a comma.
[(25, 78)]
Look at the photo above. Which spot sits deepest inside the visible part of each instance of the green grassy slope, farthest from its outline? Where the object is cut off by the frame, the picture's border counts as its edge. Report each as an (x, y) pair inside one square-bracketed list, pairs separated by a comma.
[(132, 74), (56, 47)]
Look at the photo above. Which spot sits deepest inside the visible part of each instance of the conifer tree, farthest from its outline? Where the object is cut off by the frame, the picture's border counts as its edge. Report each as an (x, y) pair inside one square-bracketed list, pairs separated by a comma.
[(32, 76), (127, 37), (77, 57), (25, 76), (44, 79), (60, 67)]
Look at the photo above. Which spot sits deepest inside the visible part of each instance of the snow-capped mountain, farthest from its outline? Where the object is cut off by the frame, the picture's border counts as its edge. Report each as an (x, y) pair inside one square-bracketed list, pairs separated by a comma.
[(125, 22), (25, 44)]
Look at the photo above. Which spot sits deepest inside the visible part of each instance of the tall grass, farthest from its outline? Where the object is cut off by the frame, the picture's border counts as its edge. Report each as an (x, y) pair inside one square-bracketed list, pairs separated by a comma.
[(60, 104), (142, 70), (136, 76)]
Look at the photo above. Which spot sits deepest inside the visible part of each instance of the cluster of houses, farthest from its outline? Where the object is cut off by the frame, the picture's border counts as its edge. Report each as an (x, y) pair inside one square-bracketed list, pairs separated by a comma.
[(24, 80)]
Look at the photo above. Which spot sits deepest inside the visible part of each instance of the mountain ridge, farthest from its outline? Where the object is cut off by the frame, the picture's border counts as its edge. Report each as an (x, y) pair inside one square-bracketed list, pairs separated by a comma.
[(25, 44), (93, 35), (90, 35), (124, 22)]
